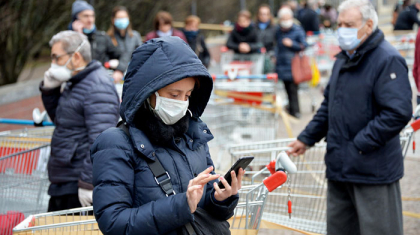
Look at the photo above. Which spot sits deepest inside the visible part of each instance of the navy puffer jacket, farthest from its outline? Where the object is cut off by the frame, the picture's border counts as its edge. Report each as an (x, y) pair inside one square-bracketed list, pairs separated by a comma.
[(126, 198), (87, 106), (367, 103), (285, 54)]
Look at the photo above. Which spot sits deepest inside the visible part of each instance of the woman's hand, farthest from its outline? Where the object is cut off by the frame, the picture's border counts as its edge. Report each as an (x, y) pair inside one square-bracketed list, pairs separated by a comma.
[(229, 190), (196, 187), (287, 42)]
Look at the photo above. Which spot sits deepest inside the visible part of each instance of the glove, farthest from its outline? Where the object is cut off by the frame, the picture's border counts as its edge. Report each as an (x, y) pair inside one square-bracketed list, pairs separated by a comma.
[(85, 197), (50, 82)]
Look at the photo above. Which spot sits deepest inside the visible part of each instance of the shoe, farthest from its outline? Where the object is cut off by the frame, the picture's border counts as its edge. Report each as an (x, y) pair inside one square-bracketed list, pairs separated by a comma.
[(297, 115)]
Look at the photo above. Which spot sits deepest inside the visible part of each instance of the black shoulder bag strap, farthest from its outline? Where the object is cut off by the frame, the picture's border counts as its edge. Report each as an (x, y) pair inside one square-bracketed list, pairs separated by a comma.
[(159, 172)]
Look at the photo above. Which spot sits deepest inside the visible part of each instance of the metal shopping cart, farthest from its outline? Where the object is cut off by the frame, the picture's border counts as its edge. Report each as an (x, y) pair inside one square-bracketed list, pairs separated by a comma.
[(246, 220), (23, 174), (308, 186)]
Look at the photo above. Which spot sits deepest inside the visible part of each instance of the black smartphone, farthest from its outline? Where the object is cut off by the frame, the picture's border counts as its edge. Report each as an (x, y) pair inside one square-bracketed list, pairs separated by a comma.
[(242, 162)]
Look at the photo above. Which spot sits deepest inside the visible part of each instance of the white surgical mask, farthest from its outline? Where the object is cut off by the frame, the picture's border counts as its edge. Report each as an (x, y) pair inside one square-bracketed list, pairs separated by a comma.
[(168, 110), (347, 38), (61, 72), (286, 24)]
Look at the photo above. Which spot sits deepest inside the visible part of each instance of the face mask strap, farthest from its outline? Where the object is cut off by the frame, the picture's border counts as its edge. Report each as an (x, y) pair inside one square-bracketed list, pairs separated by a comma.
[(68, 61)]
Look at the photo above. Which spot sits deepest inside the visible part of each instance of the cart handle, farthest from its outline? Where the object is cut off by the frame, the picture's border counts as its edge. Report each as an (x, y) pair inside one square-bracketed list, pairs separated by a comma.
[(24, 122)]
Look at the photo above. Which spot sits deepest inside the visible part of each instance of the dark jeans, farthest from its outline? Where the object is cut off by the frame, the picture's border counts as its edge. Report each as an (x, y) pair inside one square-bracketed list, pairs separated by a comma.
[(292, 94), (354, 209), (69, 201)]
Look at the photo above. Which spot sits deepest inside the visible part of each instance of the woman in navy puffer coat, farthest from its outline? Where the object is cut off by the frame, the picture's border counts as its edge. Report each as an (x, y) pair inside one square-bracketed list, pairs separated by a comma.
[(126, 197)]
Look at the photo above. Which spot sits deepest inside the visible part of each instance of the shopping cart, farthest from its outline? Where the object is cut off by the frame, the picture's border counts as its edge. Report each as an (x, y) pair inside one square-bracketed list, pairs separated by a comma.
[(308, 186), (23, 174), (246, 219)]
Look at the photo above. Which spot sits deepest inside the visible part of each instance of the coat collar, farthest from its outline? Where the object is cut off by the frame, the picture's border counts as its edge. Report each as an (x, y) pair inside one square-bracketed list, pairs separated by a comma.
[(93, 65), (371, 43), (198, 134)]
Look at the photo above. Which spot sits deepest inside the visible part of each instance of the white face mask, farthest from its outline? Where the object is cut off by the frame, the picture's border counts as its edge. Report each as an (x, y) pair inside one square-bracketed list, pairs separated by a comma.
[(61, 72), (168, 110), (286, 24), (347, 38)]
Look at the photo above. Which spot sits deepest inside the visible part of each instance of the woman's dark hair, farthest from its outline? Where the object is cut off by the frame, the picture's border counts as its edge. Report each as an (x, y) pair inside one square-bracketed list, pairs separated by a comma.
[(162, 17), (112, 29)]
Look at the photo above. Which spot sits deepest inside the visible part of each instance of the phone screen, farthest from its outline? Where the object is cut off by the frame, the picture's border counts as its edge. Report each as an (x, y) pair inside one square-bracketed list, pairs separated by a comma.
[(242, 162)]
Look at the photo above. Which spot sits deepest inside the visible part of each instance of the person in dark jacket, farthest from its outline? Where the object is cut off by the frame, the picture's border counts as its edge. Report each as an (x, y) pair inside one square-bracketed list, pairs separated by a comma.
[(163, 27), (166, 90), (196, 39), (244, 38), (83, 21), (290, 39), (123, 37), (399, 7), (81, 100), (416, 66), (367, 103), (266, 30), (408, 17), (308, 18)]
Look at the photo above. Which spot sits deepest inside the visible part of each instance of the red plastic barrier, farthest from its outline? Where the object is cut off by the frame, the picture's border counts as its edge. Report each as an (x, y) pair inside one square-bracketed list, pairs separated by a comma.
[(9, 221), (22, 164), (249, 101)]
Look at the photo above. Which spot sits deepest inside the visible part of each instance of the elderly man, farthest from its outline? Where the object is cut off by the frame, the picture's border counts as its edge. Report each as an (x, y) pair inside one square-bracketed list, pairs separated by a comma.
[(81, 99), (83, 21), (367, 103)]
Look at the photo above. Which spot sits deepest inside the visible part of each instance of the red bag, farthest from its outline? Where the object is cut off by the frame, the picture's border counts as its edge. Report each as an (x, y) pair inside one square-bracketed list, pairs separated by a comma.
[(301, 68)]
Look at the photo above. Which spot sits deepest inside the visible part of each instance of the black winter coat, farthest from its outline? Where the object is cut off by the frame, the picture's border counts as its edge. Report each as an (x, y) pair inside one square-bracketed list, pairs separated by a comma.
[(198, 45), (88, 105), (309, 20), (248, 35), (367, 103), (267, 36), (407, 18), (102, 47)]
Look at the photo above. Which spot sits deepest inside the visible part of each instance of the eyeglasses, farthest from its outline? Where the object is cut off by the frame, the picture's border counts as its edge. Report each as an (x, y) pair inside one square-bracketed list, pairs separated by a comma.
[(55, 57)]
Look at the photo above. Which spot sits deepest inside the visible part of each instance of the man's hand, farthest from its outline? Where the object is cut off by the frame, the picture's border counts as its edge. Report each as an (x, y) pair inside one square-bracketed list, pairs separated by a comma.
[(118, 76), (244, 47), (77, 26), (50, 82), (287, 42), (196, 187), (85, 197), (297, 148)]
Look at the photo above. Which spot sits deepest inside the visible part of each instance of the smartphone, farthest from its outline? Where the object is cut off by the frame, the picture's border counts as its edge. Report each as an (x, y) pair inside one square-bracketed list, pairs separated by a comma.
[(242, 162)]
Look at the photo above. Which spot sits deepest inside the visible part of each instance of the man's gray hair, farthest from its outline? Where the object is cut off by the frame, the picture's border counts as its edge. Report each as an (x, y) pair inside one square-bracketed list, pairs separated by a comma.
[(285, 11), (70, 41), (365, 7)]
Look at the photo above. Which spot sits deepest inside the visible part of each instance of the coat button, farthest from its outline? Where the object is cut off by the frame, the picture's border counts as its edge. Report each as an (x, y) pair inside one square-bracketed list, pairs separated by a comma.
[(142, 146), (205, 131), (360, 152), (153, 154), (191, 140)]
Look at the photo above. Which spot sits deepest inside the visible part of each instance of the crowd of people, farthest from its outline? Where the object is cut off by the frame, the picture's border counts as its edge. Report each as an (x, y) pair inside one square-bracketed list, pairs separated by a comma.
[(152, 173)]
